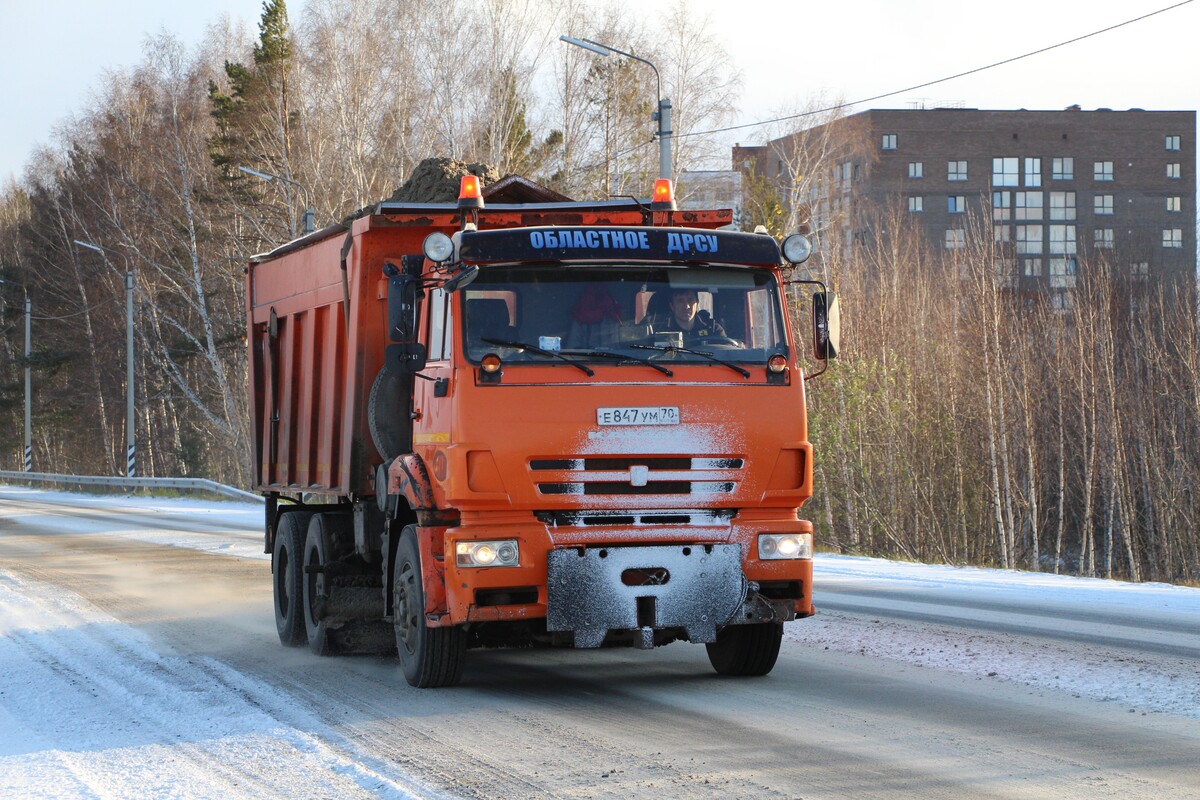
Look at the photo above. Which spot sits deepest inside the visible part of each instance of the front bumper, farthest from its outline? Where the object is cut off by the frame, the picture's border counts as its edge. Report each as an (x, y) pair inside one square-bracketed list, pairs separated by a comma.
[(573, 578), (694, 587)]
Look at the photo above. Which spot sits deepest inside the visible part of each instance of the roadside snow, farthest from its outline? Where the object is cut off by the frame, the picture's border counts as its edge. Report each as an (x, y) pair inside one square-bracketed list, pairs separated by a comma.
[(228, 528), (88, 708), (1051, 631)]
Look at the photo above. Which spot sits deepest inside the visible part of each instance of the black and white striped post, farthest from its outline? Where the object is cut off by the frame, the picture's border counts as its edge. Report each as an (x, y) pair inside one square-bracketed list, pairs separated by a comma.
[(130, 443), (28, 386)]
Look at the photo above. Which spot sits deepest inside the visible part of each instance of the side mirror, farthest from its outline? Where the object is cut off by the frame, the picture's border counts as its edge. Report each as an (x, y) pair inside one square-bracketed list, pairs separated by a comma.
[(403, 296), (461, 279), (406, 357), (827, 325)]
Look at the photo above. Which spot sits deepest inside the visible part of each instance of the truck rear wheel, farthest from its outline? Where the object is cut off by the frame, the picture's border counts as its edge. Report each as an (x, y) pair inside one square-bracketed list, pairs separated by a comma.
[(746, 649), (318, 553), (287, 564), (430, 657)]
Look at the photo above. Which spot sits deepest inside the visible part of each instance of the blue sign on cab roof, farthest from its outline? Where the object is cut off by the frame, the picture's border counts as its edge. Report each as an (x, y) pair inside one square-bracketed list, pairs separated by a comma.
[(590, 243)]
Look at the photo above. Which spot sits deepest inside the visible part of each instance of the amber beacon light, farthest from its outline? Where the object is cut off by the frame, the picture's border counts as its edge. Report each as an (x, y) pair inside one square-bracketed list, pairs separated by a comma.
[(664, 195), (470, 194)]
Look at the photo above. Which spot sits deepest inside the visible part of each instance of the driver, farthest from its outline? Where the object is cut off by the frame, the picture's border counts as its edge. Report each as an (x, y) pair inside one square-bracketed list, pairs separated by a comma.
[(686, 316)]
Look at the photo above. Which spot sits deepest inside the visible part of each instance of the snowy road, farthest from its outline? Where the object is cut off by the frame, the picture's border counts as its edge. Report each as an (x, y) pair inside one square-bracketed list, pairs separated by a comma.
[(138, 658)]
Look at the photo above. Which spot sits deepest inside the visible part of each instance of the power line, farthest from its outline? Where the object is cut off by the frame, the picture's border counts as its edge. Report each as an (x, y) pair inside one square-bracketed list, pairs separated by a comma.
[(69, 316), (935, 82)]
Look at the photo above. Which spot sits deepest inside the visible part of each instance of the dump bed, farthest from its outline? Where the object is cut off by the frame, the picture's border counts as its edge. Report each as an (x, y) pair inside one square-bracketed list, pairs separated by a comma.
[(316, 313)]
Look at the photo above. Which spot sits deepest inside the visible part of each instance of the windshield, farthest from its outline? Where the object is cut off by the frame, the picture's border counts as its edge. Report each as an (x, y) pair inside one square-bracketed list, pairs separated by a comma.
[(594, 313)]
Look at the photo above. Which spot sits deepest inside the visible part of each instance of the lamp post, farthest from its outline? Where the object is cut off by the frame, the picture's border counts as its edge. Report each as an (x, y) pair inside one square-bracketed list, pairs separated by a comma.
[(130, 442), (662, 115), (308, 221)]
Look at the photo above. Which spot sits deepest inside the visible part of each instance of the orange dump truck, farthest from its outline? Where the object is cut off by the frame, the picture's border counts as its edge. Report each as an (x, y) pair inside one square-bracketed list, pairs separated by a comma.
[(541, 423)]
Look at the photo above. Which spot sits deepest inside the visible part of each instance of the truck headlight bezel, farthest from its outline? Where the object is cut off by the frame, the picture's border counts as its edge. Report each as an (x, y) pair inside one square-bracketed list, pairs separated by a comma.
[(785, 546), (486, 553)]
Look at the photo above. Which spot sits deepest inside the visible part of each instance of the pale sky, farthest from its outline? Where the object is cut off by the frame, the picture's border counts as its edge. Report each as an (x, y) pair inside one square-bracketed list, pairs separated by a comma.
[(53, 54)]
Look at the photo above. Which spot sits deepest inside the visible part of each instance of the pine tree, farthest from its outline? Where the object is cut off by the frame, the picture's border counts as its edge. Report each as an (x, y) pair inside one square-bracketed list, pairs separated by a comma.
[(253, 119)]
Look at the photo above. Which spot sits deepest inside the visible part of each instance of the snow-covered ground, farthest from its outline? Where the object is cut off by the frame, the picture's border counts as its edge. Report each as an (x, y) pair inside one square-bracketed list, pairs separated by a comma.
[(86, 699), (1133, 644)]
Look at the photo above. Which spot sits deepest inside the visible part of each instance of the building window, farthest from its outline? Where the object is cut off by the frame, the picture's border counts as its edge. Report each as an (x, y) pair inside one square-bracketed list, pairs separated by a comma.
[(1062, 240), (956, 239), (1104, 238), (956, 204), (1102, 170), (1032, 267), (1062, 205), (1140, 270), (889, 141), (956, 170), (1002, 234), (1172, 170), (1062, 272), (1174, 204), (1033, 172), (1028, 205), (916, 204), (1063, 169), (1103, 204), (1062, 302), (1029, 239), (1001, 206), (916, 169), (1172, 142), (1004, 172), (1173, 237)]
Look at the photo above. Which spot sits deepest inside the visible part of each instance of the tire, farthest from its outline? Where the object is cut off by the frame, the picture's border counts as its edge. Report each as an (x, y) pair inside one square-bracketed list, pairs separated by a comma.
[(287, 559), (430, 657), (746, 650), (319, 552)]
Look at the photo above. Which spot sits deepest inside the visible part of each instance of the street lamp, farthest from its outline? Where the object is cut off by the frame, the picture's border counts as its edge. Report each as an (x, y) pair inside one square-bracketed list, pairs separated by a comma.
[(130, 443), (662, 116), (309, 218)]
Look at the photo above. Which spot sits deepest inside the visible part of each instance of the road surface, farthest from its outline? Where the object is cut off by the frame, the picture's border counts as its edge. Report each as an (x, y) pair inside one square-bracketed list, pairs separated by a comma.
[(175, 685)]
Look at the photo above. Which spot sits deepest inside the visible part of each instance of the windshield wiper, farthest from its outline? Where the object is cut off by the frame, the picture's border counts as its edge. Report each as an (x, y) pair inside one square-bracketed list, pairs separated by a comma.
[(622, 357), (672, 349), (522, 347)]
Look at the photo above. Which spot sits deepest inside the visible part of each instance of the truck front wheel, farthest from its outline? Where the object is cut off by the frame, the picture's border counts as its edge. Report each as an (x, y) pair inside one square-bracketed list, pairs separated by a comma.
[(430, 657), (287, 563), (746, 649)]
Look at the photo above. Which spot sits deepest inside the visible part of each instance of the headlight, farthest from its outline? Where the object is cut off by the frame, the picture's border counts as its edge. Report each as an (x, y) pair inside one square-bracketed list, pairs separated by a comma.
[(797, 248), (438, 247), (497, 553), (779, 546)]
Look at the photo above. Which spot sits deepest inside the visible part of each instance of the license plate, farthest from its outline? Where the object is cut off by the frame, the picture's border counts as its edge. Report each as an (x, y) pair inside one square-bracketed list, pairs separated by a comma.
[(637, 415)]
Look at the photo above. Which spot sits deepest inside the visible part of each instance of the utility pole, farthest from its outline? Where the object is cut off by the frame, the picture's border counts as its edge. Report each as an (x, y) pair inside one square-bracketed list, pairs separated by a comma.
[(130, 441), (28, 386), (130, 417)]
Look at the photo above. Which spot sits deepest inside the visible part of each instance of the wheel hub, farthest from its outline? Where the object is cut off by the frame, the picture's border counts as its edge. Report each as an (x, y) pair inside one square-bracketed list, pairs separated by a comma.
[(407, 616)]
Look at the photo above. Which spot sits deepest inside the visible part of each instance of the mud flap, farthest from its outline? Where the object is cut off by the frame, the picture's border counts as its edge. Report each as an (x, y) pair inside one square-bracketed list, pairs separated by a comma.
[(694, 587)]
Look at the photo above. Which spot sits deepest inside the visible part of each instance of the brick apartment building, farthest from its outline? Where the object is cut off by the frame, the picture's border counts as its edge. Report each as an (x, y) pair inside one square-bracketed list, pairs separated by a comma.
[(1060, 188)]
